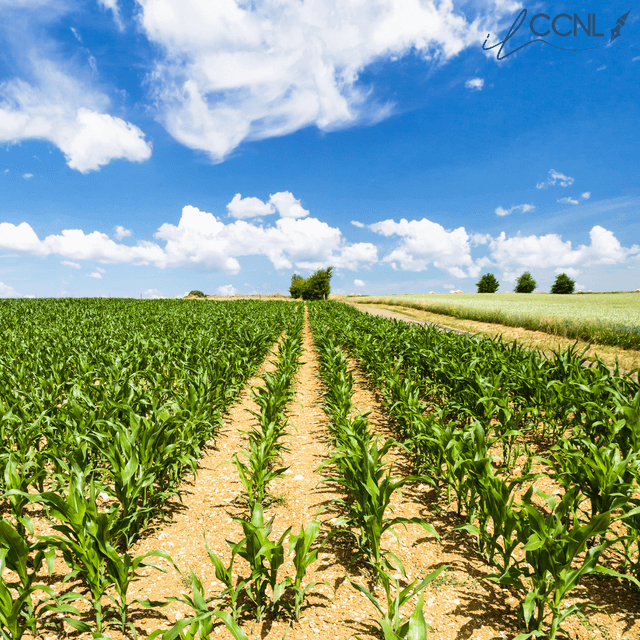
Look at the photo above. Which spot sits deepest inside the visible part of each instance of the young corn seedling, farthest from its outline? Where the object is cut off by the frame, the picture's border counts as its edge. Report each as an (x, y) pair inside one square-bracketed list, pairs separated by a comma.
[(551, 549), (393, 625), (88, 545), (303, 556), (257, 549), (20, 612), (201, 623)]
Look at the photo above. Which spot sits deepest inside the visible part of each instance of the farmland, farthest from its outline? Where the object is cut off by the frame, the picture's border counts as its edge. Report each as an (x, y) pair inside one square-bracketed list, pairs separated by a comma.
[(605, 318), (307, 469)]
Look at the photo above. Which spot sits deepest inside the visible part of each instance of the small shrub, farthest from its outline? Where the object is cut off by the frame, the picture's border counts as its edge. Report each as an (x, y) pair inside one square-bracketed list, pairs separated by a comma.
[(526, 283), (563, 284), (195, 292), (487, 284)]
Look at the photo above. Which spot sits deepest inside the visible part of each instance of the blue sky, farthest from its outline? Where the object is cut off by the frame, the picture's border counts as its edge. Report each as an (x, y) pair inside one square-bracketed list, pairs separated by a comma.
[(153, 147)]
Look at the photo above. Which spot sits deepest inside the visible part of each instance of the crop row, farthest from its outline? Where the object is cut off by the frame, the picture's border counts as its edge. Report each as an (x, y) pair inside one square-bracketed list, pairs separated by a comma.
[(359, 466), (104, 406), (475, 412)]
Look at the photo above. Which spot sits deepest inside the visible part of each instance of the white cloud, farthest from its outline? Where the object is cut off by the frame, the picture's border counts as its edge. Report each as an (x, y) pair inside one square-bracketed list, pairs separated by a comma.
[(121, 232), (202, 240), (479, 238), (586, 195), (95, 274), (549, 251), (241, 208), (570, 271), (58, 108), (112, 5), (425, 242), (602, 68), (568, 200), (68, 263), (355, 223), (287, 206), (635, 59), (235, 71), (152, 293), (359, 283), (475, 84), (226, 290), (522, 208), (100, 270), (556, 178), (26, 176), (7, 291)]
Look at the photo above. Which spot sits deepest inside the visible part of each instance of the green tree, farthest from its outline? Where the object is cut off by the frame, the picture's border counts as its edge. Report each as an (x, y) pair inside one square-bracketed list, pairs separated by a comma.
[(298, 284), (317, 286), (196, 292), (526, 283), (487, 284), (563, 284)]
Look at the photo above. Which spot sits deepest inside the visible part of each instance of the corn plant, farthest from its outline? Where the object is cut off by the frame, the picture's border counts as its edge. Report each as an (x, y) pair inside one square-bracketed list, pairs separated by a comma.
[(303, 557), (88, 546), (393, 625), (21, 613), (601, 473), (552, 550), (201, 623), (265, 559)]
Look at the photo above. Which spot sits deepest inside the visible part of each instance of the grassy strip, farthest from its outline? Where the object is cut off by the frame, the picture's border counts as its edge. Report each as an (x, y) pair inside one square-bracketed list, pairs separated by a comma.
[(599, 333)]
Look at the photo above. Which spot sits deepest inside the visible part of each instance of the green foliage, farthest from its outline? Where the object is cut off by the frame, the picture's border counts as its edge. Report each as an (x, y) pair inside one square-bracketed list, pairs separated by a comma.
[(196, 292), (392, 624), (297, 286), (487, 283), (315, 287), (454, 398), (563, 284), (525, 283)]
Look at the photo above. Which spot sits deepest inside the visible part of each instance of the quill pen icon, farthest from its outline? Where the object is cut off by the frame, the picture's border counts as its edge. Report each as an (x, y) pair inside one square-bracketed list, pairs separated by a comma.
[(615, 32)]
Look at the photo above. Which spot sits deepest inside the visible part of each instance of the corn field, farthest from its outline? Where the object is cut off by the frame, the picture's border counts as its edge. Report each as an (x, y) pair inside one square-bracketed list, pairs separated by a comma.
[(107, 406)]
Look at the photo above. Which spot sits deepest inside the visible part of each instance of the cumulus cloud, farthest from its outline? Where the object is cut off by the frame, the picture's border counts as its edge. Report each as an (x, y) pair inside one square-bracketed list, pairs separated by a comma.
[(7, 291), (570, 271), (475, 84), (555, 178), (568, 200), (68, 263), (95, 274), (202, 240), (550, 251), (226, 290), (26, 176), (287, 205), (586, 195), (425, 242), (359, 283), (121, 232), (522, 208), (234, 71), (241, 208), (355, 223), (60, 109)]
